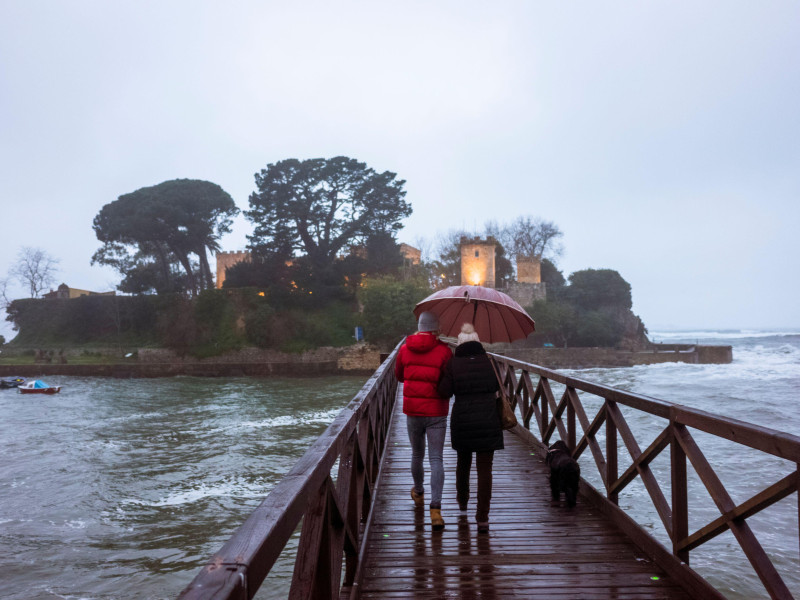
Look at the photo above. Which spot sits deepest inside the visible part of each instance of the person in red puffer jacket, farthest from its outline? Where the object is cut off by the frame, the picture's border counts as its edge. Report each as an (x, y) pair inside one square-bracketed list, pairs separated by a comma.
[(419, 366)]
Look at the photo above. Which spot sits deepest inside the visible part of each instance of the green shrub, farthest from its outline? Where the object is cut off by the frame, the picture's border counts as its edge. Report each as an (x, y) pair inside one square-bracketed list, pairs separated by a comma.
[(388, 308)]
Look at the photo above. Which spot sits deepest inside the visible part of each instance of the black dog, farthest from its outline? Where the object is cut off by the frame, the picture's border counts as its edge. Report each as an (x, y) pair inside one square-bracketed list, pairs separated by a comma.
[(565, 472)]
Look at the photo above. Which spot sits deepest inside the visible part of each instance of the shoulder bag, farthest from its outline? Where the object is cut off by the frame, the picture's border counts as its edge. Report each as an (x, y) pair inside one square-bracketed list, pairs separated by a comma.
[(508, 420)]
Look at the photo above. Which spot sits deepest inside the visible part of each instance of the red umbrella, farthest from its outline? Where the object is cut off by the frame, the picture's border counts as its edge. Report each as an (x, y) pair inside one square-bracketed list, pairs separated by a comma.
[(495, 316)]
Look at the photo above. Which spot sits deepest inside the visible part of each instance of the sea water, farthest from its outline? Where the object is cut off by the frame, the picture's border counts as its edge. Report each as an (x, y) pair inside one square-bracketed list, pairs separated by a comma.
[(761, 386), (123, 488)]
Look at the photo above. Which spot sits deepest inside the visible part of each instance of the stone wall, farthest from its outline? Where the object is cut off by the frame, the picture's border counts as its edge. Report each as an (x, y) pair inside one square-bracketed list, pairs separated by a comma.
[(529, 270), (525, 294), (358, 357)]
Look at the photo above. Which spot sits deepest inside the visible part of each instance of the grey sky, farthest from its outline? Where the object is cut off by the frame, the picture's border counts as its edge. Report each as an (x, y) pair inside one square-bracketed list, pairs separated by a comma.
[(662, 137)]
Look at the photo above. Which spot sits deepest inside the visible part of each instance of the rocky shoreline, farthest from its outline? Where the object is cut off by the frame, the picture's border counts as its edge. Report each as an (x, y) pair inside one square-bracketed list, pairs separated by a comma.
[(359, 359)]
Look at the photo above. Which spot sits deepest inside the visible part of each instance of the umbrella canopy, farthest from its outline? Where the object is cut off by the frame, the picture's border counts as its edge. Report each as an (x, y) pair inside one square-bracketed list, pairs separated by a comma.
[(495, 316)]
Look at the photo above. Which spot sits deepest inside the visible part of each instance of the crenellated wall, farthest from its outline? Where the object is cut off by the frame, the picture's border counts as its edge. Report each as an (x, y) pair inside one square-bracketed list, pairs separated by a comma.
[(228, 259)]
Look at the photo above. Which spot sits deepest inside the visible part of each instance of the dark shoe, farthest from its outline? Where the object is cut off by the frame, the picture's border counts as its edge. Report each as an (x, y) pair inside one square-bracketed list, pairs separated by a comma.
[(483, 527), (419, 499), (437, 522)]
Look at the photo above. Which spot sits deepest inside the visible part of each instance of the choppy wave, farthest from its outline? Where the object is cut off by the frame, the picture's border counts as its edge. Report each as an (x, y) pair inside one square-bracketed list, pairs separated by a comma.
[(228, 489), (720, 335), (320, 417)]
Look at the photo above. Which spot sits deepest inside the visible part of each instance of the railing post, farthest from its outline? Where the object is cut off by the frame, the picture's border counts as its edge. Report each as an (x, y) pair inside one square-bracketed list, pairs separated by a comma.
[(680, 495), (545, 410), (571, 433), (612, 459)]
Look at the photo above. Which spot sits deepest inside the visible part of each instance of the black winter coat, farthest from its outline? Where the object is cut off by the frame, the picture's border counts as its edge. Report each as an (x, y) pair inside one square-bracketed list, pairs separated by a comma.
[(474, 422)]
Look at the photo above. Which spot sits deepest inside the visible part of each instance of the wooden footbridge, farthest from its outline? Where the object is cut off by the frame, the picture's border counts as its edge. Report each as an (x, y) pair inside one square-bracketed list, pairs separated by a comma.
[(361, 536)]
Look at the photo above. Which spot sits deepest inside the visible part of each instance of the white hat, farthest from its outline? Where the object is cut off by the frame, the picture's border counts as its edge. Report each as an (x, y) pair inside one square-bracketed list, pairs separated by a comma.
[(468, 334)]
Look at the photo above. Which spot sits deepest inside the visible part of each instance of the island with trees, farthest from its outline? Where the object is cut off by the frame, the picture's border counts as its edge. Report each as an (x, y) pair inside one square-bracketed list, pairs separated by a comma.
[(322, 263)]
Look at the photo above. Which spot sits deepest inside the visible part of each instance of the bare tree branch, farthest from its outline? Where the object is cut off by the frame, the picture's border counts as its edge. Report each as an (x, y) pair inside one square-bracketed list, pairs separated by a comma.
[(528, 237), (34, 269), (4, 301)]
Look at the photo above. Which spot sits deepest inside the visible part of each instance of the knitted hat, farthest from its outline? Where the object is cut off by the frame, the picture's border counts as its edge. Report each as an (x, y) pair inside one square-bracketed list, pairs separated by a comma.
[(468, 334), (428, 322)]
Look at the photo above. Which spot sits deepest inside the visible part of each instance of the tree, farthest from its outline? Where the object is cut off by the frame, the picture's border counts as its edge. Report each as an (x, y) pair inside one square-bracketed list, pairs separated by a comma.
[(149, 231), (320, 206), (528, 237), (595, 289), (34, 269), (551, 275), (388, 309)]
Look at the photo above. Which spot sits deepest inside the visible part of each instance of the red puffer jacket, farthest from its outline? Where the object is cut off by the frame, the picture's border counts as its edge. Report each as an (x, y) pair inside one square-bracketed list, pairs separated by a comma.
[(419, 365)]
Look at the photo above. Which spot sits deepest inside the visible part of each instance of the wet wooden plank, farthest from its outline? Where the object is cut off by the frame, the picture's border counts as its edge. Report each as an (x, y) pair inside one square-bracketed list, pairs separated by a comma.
[(534, 549)]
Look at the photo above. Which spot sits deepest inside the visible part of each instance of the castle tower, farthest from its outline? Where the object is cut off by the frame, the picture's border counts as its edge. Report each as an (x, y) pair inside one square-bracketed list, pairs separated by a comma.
[(529, 270), (477, 261), (228, 259)]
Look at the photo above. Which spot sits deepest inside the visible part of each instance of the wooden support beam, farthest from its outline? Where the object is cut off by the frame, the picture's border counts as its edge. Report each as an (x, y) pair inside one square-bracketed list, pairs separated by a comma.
[(643, 460), (774, 493), (680, 497), (764, 568), (589, 431), (649, 480)]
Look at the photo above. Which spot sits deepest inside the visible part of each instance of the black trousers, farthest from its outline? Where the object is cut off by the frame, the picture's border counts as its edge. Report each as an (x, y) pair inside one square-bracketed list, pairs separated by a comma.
[(483, 463)]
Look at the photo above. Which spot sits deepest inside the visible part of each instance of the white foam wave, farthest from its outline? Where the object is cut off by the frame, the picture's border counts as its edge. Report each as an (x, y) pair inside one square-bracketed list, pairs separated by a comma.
[(719, 334), (232, 489), (321, 417)]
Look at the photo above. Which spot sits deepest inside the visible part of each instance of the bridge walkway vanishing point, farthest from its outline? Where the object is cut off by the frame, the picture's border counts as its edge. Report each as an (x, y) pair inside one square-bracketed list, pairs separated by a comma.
[(534, 549)]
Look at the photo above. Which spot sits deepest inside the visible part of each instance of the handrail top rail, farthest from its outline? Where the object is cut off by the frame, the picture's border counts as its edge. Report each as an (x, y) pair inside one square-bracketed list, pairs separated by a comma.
[(772, 441)]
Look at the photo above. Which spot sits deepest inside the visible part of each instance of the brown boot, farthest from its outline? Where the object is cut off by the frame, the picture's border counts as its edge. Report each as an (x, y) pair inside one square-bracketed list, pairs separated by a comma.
[(437, 522), (419, 499)]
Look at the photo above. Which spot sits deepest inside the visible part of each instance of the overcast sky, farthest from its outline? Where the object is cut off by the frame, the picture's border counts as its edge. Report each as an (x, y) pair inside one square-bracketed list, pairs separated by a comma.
[(662, 137)]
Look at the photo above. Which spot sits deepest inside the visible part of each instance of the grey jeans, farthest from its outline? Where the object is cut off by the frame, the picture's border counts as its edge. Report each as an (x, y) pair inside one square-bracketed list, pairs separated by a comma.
[(434, 428)]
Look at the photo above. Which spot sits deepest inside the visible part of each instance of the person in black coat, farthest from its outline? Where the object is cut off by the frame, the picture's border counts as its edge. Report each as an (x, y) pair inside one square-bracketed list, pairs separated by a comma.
[(474, 422)]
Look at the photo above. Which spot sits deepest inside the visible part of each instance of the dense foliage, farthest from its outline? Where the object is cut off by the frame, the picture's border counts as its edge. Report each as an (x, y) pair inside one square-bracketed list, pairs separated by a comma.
[(318, 207), (593, 309), (126, 320), (388, 305), (151, 235), (210, 324)]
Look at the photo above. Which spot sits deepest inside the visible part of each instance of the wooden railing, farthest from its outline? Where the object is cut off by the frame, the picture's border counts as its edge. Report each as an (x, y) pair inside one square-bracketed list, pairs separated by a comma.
[(334, 512), (543, 415)]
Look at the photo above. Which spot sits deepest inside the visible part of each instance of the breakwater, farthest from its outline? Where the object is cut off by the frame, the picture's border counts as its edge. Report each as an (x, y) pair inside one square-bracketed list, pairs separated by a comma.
[(584, 358), (360, 359)]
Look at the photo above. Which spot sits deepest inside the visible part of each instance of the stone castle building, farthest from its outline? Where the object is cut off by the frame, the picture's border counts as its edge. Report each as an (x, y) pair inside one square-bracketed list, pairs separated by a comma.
[(228, 259), (411, 255), (478, 268), (64, 292), (477, 261)]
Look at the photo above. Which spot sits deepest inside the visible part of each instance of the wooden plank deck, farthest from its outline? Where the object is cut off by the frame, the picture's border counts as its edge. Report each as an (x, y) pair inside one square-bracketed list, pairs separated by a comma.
[(533, 550)]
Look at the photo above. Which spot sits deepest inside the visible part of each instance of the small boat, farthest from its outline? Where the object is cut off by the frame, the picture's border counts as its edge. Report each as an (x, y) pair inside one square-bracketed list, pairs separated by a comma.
[(38, 386), (11, 382)]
